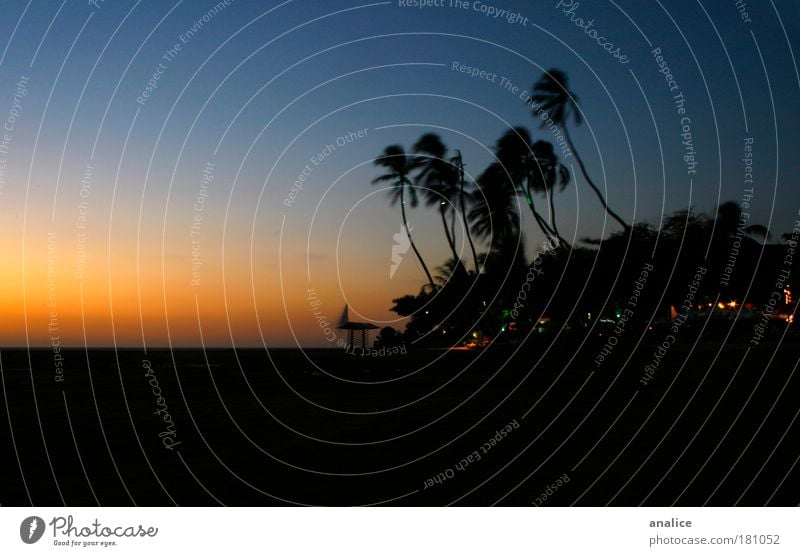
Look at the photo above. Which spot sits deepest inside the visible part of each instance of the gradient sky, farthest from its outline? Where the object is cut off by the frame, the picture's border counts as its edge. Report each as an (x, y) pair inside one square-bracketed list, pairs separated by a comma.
[(261, 87)]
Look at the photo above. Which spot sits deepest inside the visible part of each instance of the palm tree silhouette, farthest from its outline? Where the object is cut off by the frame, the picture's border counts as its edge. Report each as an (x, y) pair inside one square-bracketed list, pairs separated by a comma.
[(399, 165), (548, 174), (450, 270), (552, 95), (515, 155), (439, 179), (458, 162), (493, 215)]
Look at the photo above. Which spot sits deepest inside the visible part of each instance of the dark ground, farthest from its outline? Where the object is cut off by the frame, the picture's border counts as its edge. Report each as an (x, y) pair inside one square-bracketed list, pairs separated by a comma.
[(711, 428)]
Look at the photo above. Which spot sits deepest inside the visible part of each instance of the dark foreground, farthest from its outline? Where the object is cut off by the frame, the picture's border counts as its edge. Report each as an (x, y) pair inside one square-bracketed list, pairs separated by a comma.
[(255, 428)]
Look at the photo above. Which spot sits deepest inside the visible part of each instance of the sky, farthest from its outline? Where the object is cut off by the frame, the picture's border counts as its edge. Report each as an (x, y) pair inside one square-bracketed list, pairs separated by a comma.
[(150, 149)]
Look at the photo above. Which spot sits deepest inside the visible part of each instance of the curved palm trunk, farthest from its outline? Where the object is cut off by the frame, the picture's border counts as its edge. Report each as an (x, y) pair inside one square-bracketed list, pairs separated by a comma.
[(451, 240), (410, 240), (552, 208), (453, 226), (466, 224), (547, 230), (597, 191), (545, 227)]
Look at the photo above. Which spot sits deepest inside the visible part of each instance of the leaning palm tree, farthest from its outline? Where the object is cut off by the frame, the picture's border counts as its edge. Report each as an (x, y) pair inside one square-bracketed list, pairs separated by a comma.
[(493, 215), (548, 173), (514, 154), (438, 178), (552, 96), (458, 163), (398, 165)]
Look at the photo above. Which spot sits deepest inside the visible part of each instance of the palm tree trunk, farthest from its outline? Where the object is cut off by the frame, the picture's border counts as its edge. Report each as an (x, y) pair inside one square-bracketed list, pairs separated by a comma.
[(552, 207), (410, 240), (548, 231), (453, 226), (466, 224), (597, 191), (450, 238), (544, 226)]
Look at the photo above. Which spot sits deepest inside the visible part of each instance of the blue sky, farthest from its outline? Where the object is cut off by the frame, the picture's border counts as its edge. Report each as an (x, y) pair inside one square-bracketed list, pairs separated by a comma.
[(263, 86)]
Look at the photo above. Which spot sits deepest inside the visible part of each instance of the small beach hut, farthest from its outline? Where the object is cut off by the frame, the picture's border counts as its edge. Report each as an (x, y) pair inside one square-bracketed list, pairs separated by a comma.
[(352, 327)]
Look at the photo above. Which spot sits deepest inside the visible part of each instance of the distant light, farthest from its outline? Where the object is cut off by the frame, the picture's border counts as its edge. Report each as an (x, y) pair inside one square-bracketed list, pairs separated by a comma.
[(732, 305), (721, 305)]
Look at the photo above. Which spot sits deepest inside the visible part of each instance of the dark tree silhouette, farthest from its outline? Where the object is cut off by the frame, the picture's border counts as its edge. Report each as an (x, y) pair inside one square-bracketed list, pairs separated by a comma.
[(514, 151), (458, 162), (439, 180), (552, 95), (493, 214), (548, 174), (399, 165)]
